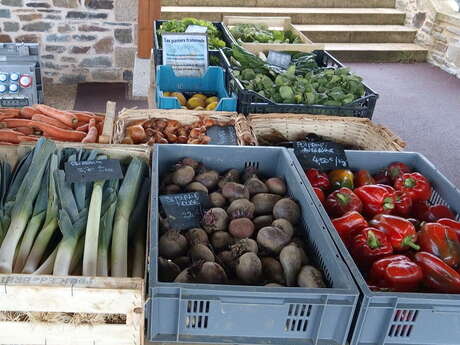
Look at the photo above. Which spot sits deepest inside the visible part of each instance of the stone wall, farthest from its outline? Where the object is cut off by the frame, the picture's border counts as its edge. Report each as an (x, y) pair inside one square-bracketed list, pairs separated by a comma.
[(438, 31), (81, 40)]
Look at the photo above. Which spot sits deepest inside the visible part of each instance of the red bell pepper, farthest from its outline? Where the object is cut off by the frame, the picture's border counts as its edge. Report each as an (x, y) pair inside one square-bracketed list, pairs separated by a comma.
[(348, 224), (342, 201), (394, 170), (369, 245), (441, 241), (362, 178), (318, 179), (423, 211), (403, 204), (438, 275), (415, 185), (376, 199), (341, 178), (382, 178), (453, 224), (400, 231), (320, 194), (417, 223), (397, 273)]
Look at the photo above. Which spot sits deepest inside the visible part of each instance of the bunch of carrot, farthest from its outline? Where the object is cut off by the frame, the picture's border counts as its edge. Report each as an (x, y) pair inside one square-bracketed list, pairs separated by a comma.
[(29, 123)]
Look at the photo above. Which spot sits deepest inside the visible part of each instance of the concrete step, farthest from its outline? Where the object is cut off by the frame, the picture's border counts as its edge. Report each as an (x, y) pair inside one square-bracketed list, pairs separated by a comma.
[(358, 33), (377, 52), (277, 3), (371, 16)]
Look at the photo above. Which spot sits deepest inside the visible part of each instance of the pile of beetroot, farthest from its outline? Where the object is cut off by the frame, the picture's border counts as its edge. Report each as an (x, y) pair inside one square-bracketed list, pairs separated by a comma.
[(397, 238), (248, 237)]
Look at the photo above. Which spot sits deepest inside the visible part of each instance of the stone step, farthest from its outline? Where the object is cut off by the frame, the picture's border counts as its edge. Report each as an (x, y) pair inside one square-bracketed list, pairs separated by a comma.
[(358, 33), (277, 3), (309, 16), (377, 52)]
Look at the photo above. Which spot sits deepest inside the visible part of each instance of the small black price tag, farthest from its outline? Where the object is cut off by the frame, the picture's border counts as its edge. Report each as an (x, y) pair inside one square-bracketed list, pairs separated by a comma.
[(323, 155), (184, 211), (222, 135), (92, 170)]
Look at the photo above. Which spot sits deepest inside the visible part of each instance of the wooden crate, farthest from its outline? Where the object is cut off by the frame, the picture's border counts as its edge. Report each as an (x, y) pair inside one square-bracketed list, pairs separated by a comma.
[(274, 23), (72, 310)]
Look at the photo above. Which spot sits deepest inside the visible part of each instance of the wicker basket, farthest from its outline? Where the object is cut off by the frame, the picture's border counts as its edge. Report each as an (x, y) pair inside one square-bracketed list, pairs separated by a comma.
[(359, 133), (243, 131)]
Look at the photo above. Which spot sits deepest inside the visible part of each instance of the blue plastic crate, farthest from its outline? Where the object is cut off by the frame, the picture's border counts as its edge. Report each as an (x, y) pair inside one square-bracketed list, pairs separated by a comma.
[(212, 82), (204, 313), (390, 318)]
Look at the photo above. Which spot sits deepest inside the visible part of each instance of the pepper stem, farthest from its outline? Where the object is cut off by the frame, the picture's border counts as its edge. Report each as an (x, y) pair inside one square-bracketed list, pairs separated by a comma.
[(344, 199), (409, 182), (372, 240), (409, 242), (388, 204)]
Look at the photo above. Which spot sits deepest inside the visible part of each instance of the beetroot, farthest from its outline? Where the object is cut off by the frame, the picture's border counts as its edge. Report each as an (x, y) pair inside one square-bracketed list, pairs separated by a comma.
[(241, 208), (215, 219), (244, 245), (232, 175), (171, 189), (183, 175), (209, 178), (233, 191), (217, 199), (285, 225), (172, 244), (276, 185), (288, 209), (272, 269), (196, 187), (221, 240), (262, 221), (241, 227), (291, 260), (211, 273), (264, 203), (273, 238), (197, 236), (255, 186), (167, 270), (201, 252), (249, 268)]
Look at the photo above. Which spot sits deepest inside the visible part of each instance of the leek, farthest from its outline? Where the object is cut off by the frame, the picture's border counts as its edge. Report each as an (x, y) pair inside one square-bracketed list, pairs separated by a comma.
[(50, 224), (23, 205), (47, 266), (108, 212), (77, 255), (5, 171), (127, 197), (34, 225)]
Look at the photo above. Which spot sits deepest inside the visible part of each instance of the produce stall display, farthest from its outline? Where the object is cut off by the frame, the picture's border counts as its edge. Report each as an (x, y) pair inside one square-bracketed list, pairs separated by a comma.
[(313, 83), (258, 34), (394, 218), (28, 124), (136, 126)]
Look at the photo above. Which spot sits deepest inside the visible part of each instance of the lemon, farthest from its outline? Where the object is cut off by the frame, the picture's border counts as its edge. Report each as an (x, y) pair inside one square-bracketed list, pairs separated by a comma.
[(200, 96), (167, 94), (211, 106), (194, 102), (212, 99), (180, 97), (199, 108)]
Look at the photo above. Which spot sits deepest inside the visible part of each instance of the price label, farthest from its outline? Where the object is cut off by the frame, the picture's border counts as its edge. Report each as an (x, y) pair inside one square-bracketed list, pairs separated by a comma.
[(196, 28), (222, 135), (278, 59), (323, 155), (93, 170), (186, 53), (184, 211)]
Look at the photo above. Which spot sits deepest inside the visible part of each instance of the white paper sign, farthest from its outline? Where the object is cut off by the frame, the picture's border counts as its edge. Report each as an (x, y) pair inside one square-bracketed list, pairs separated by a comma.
[(186, 53), (196, 28), (278, 59)]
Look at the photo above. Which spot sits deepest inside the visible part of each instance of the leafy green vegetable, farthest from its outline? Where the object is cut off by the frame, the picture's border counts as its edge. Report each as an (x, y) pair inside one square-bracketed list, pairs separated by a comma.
[(260, 33), (214, 36)]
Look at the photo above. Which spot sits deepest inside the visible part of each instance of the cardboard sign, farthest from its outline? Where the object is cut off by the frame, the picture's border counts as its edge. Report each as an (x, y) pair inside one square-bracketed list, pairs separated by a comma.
[(93, 170), (222, 135), (322, 155), (184, 211), (279, 59), (187, 53)]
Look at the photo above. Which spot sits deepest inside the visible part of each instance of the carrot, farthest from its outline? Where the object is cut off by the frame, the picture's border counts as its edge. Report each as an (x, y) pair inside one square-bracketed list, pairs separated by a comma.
[(11, 123), (81, 123), (91, 137), (13, 112), (6, 116), (25, 130), (27, 138), (67, 118), (27, 112), (99, 127), (10, 136), (85, 116), (5, 143), (57, 133), (83, 128), (50, 120)]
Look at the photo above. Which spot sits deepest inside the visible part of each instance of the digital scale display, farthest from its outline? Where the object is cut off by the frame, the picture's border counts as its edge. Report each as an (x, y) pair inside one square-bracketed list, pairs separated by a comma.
[(13, 102)]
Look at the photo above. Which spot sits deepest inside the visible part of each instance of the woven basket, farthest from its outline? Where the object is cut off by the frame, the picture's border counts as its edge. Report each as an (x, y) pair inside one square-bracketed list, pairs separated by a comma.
[(359, 133), (243, 131)]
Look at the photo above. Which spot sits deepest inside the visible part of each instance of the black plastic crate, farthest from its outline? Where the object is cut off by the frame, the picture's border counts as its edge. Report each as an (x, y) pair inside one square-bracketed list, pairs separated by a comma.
[(250, 102)]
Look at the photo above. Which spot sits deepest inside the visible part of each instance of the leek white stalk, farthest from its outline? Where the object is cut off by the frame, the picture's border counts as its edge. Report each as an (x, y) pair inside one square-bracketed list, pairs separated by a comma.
[(23, 206), (77, 255), (127, 197), (47, 266), (92, 231)]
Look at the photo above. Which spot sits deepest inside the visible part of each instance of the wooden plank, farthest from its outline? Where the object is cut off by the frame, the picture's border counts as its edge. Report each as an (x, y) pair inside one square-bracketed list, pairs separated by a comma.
[(110, 117), (148, 11), (19, 333)]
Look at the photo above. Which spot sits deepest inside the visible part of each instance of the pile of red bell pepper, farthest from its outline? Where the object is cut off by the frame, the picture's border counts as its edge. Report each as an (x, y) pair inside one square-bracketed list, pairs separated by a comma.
[(398, 239)]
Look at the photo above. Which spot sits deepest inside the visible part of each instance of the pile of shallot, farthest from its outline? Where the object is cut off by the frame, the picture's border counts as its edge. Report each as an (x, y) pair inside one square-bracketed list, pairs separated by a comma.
[(247, 237)]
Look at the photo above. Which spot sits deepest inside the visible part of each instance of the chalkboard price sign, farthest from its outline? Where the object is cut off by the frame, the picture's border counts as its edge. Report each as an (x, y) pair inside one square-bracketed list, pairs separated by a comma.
[(323, 155), (222, 135), (184, 211), (92, 170)]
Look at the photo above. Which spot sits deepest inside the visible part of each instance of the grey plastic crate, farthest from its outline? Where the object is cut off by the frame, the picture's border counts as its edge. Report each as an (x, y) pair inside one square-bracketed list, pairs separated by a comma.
[(206, 313), (386, 318)]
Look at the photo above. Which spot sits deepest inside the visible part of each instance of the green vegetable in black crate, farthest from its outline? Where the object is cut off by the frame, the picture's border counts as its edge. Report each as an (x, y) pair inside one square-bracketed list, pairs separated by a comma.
[(303, 82), (260, 33), (214, 36)]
